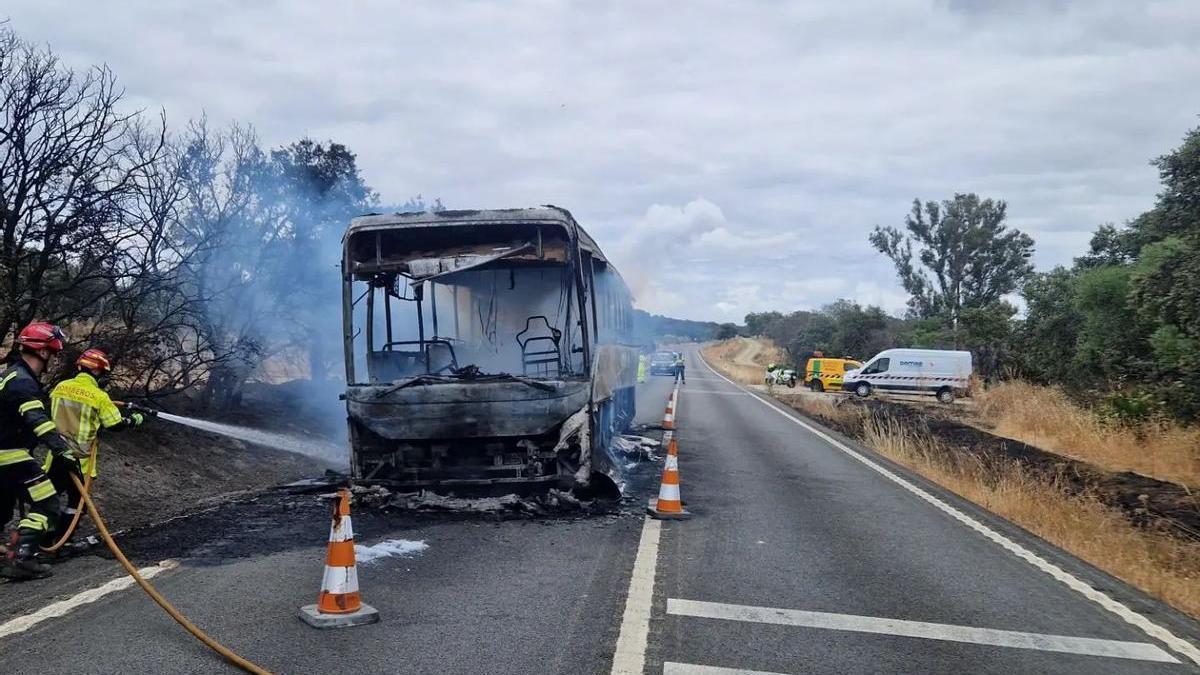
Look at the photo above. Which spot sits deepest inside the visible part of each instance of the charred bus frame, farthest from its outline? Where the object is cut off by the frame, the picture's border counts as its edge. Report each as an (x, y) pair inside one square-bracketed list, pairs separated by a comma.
[(515, 362)]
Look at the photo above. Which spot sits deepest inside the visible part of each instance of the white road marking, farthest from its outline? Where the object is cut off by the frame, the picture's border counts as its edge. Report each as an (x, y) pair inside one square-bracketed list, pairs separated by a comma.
[(671, 668), (714, 391), (1117, 649), (1174, 642), (62, 607), (630, 655)]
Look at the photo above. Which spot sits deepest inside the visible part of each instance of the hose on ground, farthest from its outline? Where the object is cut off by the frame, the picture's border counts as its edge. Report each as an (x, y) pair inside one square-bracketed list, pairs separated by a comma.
[(182, 620), (87, 485)]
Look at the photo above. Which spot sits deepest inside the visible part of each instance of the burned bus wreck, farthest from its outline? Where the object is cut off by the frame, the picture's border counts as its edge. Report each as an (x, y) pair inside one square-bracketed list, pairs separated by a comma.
[(484, 347)]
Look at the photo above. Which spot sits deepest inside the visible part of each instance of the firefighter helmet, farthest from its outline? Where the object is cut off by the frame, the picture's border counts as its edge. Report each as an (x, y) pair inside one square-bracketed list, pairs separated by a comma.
[(94, 359), (42, 335)]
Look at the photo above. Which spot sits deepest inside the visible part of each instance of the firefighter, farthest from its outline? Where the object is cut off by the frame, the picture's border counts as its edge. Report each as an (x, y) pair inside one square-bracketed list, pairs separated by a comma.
[(24, 423), (80, 407)]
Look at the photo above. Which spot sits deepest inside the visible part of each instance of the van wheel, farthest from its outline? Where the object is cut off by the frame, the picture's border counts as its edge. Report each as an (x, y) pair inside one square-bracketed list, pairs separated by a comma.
[(945, 395), (862, 389), (816, 385)]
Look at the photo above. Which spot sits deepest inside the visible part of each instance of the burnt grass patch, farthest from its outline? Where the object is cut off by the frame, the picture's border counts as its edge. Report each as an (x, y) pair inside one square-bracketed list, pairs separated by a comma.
[(1146, 502)]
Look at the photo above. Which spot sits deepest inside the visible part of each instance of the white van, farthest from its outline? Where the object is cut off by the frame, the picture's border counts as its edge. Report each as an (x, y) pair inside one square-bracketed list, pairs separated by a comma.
[(925, 371)]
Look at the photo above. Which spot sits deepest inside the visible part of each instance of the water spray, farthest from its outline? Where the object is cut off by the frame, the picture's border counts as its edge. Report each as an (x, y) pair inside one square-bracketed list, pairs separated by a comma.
[(304, 446)]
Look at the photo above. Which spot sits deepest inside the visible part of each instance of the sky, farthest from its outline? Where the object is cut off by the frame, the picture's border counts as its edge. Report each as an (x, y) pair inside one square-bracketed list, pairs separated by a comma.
[(729, 156)]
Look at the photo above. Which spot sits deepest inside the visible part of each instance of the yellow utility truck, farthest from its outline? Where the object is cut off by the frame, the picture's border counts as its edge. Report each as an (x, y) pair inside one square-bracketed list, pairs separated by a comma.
[(824, 373)]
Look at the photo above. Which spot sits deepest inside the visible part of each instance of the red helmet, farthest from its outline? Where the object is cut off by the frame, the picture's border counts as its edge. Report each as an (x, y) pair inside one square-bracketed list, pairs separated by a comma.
[(42, 335), (94, 359)]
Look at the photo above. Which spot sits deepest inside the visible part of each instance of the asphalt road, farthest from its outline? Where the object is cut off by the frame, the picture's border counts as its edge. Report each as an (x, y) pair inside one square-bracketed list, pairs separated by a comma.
[(799, 558)]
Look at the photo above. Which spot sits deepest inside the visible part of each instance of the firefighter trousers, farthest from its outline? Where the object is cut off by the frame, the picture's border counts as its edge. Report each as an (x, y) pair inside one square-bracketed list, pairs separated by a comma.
[(23, 481)]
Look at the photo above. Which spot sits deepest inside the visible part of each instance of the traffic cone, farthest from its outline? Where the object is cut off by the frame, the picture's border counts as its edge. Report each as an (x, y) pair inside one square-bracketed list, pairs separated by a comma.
[(672, 445), (340, 605), (669, 506), (669, 416)]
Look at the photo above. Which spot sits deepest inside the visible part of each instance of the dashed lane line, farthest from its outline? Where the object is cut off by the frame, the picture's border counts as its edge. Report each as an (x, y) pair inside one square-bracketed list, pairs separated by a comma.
[(1172, 641), (672, 668), (63, 607), (1066, 644), (629, 658)]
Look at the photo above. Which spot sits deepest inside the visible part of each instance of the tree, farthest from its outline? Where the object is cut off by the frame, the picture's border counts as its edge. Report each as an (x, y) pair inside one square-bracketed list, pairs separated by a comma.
[(69, 165), (1112, 347), (726, 331), (855, 331), (1050, 332), (965, 256), (757, 323), (224, 217), (317, 189)]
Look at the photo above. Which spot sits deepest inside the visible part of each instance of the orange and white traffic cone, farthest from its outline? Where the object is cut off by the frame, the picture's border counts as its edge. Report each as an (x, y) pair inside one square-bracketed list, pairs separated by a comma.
[(669, 416), (340, 604), (669, 505), (672, 445)]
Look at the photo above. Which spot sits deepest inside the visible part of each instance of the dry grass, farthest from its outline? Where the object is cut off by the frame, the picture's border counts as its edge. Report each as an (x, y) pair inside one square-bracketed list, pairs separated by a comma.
[(1163, 566), (742, 359), (1046, 418)]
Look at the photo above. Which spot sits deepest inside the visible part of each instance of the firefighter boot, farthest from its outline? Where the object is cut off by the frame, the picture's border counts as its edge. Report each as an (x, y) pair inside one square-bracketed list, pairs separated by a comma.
[(20, 564)]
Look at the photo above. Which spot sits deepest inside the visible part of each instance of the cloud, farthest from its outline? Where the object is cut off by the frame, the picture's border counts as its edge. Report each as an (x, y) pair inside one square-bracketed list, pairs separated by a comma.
[(756, 144)]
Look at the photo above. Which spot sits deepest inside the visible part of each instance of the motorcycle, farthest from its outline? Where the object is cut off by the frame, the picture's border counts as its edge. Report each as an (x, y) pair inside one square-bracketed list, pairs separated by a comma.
[(785, 376)]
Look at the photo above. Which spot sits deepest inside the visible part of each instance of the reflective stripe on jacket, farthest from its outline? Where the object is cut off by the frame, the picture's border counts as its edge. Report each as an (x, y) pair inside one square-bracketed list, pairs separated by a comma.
[(23, 419), (80, 409)]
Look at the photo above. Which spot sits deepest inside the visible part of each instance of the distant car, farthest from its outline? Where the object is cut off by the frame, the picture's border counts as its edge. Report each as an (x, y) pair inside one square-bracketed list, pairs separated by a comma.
[(925, 371), (662, 363)]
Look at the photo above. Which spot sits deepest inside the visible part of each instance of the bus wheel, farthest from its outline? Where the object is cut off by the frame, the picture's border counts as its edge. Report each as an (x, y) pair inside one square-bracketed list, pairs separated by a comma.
[(945, 395), (862, 389)]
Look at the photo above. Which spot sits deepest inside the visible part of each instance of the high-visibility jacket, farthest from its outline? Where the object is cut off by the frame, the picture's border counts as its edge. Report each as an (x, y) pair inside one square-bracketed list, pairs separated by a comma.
[(23, 419), (80, 408), (641, 374)]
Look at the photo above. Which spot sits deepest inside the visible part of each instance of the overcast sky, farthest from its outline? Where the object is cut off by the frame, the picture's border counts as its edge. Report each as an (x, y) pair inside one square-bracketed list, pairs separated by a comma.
[(730, 156)]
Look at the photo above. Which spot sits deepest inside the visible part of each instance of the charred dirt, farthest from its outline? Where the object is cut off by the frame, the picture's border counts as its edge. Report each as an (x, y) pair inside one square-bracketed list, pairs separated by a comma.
[(1147, 502)]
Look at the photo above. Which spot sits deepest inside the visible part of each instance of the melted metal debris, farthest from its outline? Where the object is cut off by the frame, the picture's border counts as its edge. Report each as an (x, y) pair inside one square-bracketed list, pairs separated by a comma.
[(637, 448), (554, 502)]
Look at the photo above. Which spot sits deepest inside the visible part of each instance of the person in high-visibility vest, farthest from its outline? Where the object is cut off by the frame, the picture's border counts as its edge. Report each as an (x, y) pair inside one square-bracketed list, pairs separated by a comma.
[(641, 368), (23, 425), (80, 407), (679, 374)]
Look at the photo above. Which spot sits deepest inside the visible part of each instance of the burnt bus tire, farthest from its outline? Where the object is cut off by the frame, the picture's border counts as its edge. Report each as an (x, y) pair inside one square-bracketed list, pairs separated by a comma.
[(945, 395), (862, 389)]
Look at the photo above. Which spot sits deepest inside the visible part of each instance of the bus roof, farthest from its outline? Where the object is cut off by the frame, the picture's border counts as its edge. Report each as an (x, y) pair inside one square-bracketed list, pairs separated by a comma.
[(549, 214)]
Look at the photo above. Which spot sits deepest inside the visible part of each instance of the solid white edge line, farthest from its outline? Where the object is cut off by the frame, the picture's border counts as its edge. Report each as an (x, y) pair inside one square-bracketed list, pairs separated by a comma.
[(1172, 641), (629, 657), (1063, 644), (63, 607), (672, 668)]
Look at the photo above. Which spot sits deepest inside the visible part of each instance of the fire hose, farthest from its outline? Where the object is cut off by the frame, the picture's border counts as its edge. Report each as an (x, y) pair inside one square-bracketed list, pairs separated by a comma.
[(182, 620), (87, 482)]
